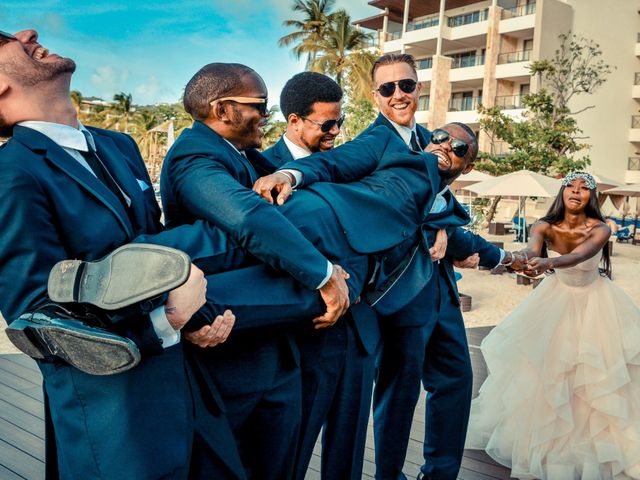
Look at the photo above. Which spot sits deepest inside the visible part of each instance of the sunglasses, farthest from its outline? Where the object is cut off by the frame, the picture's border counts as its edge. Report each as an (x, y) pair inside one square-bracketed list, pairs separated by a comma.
[(327, 125), (6, 38), (407, 85), (458, 147), (258, 103)]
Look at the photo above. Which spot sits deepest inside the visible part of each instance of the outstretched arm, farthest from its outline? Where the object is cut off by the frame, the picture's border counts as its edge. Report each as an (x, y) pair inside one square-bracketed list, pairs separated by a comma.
[(594, 243)]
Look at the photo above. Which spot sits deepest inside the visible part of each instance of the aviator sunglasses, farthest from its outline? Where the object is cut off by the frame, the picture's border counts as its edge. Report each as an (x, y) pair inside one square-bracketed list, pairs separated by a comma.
[(259, 103), (327, 125), (407, 85), (458, 147)]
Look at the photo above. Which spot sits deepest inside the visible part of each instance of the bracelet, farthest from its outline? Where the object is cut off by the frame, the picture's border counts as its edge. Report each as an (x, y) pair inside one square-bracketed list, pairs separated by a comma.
[(290, 176), (513, 257)]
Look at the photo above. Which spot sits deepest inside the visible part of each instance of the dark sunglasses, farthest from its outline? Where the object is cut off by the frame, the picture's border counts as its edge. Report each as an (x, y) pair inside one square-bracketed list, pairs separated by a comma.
[(6, 38), (407, 85), (458, 147), (327, 125), (259, 103)]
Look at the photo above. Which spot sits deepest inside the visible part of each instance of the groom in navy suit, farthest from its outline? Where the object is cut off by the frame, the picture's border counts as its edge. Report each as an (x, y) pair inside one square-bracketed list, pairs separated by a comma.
[(61, 199)]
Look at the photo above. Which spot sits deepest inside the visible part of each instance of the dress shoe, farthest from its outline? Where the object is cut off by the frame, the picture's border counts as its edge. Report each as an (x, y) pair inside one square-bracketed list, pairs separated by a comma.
[(54, 332), (128, 275)]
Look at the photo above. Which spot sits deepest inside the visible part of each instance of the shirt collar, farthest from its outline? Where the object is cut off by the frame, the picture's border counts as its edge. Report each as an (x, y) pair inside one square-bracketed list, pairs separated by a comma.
[(296, 151), (405, 132), (234, 147), (63, 135)]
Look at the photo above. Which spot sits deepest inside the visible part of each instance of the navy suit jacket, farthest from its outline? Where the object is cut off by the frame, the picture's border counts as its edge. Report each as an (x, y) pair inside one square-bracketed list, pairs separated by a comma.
[(53, 209), (279, 153)]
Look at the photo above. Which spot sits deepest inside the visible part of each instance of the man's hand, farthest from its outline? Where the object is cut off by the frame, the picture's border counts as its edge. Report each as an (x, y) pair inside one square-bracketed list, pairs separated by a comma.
[(519, 261), (187, 299), (277, 182), (439, 246), (469, 262), (335, 294), (214, 334)]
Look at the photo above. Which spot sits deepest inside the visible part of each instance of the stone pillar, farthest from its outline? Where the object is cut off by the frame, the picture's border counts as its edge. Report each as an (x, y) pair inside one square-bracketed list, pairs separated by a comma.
[(489, 84), (440, 91), (405, 21)]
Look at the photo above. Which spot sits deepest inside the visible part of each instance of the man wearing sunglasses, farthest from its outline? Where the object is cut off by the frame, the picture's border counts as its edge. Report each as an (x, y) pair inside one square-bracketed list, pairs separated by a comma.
[(336, 363)]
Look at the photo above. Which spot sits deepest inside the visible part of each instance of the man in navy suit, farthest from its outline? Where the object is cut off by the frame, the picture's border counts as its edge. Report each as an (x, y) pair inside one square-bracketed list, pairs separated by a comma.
[(414, 337), (60, 200), (208, 174), (337, 363)]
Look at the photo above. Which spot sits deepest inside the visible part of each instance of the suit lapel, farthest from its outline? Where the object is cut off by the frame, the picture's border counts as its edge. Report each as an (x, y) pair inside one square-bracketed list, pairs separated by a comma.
[(261, 164), (38, 142)]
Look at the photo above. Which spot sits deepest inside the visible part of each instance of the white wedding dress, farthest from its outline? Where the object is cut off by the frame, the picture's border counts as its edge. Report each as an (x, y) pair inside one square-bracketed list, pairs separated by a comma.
[(562, 399)]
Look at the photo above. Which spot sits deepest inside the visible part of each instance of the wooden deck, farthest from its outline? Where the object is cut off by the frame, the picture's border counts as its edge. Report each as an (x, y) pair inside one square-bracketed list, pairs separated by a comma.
[(22, 425)]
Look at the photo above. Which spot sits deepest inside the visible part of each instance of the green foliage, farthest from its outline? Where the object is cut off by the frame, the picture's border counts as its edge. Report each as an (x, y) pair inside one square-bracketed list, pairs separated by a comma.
[(358, 115), (547, 139), (273, 130)]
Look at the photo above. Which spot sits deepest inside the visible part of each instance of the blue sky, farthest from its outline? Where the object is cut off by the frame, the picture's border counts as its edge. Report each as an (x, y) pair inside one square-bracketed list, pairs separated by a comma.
[(151, 48)]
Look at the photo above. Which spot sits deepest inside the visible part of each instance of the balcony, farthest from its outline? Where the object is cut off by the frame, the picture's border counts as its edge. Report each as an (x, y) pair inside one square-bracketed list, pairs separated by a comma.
[(467, 61), (632, 175), (514, 57), (432, 21), (634, 133), (635, 92), (468, 18), (520, 11), (509, 102), (424, 63), (464, 104)]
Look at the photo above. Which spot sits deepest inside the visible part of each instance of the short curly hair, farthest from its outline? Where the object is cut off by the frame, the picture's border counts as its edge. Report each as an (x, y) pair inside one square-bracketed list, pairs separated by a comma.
[(306, 88), (215, 80)]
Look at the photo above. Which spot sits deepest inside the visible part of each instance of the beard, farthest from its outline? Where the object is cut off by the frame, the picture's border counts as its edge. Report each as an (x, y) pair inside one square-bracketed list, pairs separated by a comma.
[(37, 72)]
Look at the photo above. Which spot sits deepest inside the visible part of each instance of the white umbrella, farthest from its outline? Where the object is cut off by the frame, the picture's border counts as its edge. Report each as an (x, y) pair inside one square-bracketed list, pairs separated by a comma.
[(474, 176), (523, 183), (605, 183), (625, 190)]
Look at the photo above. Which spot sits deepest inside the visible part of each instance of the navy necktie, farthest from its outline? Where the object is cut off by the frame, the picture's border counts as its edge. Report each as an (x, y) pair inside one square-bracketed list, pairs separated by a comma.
[(101, 172), (415, 146)]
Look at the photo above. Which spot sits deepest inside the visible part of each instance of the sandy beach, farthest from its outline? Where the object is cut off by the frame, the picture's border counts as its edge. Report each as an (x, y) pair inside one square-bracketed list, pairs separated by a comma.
[(494, 296)]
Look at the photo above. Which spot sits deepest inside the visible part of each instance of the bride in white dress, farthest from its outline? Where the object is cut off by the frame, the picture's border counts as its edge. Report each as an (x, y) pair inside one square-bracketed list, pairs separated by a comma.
[(562, 399)]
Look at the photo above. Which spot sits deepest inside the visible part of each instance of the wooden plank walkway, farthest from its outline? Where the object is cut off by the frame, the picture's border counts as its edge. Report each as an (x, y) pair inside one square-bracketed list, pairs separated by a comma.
[(22, 425)]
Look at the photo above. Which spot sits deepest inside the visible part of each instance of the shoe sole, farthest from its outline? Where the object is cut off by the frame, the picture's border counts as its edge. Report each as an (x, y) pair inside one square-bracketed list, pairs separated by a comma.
[(92, 351), (131, 274)]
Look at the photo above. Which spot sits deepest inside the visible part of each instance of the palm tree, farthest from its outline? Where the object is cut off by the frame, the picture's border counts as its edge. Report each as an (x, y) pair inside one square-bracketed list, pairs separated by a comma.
[(343, 54), (310, 30), (124, 104)]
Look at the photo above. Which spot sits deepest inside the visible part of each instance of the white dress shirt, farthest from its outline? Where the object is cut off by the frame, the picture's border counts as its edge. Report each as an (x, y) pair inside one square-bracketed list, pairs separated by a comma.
[(73, 141)]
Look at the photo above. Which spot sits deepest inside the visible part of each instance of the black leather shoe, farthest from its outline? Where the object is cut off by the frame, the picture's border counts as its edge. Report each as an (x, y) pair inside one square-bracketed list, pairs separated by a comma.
[(54, 333), (128, 275)]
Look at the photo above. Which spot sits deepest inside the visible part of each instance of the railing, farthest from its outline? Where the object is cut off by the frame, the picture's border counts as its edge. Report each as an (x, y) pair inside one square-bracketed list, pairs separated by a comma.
[(467, 18), (509, 102), (424, 63), (423, 102), (514, 57), (635, 121), (464, 104), (636, 81), (432, 21), (634, 163), (467, 61), (393, 36), (519, 11)]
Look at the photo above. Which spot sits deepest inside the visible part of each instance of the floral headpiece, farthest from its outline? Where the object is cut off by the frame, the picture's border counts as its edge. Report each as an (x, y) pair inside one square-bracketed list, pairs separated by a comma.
[(588, 179)]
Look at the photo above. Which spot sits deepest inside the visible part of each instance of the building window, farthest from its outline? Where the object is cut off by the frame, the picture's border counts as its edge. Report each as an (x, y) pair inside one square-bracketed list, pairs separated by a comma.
[(467, 18), (525, 89), (423, 102), (463, 101), (424, 63), (466, 59)]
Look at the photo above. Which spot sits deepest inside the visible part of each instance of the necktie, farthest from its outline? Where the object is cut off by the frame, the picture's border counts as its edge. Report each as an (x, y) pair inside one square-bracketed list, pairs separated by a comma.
[(101, 172), (415, 146)]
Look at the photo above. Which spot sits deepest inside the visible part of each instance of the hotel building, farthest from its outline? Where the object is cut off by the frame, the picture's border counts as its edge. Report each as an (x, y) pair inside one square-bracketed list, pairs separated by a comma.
[(470, 52)]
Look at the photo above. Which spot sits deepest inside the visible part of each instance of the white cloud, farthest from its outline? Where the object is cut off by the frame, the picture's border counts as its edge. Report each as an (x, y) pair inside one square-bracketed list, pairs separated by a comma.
[(109, 80)]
